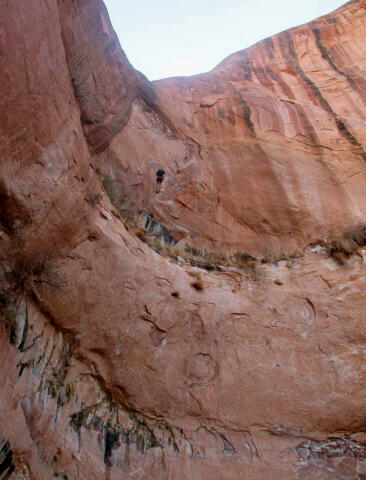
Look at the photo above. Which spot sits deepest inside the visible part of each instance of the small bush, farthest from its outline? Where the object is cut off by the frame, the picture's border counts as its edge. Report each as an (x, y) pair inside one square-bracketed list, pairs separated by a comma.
[(341, 248), (141, 234), (358, 235), (270, 257), (241, 259), (170, 251), (194, 251)]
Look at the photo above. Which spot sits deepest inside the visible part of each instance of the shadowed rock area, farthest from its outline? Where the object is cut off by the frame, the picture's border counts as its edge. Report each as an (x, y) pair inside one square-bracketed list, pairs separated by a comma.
[(212, 330)]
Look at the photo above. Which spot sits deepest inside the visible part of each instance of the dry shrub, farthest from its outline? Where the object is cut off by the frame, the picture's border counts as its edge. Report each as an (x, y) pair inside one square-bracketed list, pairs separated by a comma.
[(129, 223), (358, 235), (141, 234), (341, 248), (270, 257), (155, 244), (242, 259), (170, 251)]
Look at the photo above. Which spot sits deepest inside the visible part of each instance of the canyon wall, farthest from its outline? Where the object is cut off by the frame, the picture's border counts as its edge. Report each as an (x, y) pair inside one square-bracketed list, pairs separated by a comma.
[(122, 363), (264, 153)]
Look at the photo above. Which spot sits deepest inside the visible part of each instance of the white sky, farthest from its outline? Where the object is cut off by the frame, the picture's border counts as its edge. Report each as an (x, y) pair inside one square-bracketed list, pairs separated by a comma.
[(183, 37)]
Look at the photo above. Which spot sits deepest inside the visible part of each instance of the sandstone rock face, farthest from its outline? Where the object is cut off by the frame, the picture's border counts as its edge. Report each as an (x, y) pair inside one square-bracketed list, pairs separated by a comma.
[(264, 153), (120, 363)]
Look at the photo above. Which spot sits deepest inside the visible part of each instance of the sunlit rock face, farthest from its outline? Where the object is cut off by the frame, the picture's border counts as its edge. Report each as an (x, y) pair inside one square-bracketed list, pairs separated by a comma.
[(121, 363)]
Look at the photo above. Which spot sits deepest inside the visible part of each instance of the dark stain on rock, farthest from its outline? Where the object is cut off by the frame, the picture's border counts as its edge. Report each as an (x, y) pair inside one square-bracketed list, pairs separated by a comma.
[(273, 75), (289, 53), (247, 116), (268, 42), (245, 65), (346, 133), (77, 420), (6, 461), (22, 367), (9, 319), (326, 56), (110, 443), (112, 435), (308, 127)]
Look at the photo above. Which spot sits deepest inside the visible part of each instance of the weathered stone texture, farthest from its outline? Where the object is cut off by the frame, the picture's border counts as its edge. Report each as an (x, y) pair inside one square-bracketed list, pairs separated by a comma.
[(121, 363)]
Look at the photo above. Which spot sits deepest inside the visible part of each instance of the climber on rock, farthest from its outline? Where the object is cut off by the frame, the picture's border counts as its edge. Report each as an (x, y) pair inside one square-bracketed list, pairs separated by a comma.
[(159, 179)]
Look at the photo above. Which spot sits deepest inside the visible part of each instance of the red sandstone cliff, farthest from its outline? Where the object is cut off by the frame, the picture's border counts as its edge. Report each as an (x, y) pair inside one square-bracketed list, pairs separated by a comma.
[(247, 145), (118, 362)]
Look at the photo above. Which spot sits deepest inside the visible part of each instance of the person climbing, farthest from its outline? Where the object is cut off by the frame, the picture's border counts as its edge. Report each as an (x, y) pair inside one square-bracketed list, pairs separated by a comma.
[(159, 179)]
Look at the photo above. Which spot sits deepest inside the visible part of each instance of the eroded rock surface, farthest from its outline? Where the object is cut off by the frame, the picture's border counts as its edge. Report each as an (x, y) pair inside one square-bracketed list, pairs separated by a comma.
[(264, 153), (118, 362)]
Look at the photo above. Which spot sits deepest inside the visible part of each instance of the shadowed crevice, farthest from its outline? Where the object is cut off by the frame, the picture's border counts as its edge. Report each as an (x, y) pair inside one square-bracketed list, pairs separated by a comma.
[(6, 461)]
